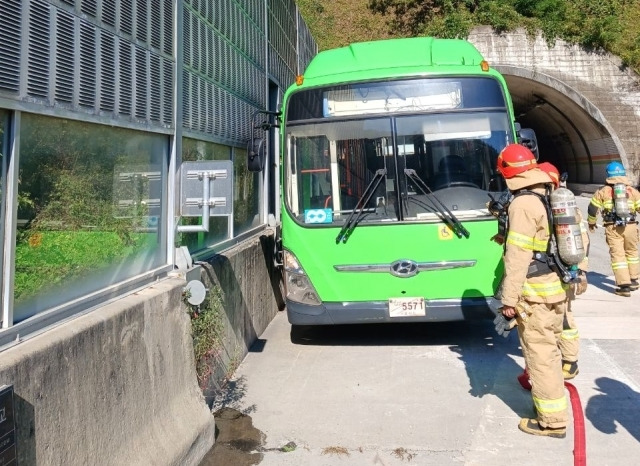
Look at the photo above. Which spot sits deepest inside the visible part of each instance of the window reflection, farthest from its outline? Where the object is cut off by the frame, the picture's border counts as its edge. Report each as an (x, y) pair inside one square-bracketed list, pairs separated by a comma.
[(3, 174), (246, 199), (91, 203), (193, 151)]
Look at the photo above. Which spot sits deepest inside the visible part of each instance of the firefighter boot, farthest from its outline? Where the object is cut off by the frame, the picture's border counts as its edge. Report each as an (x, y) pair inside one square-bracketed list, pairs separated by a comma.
[(531, 426), (569, 369), (623, 290), (634, 284)]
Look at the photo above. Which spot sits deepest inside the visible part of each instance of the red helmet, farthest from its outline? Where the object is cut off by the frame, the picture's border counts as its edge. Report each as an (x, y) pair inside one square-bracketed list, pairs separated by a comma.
[(552, 171), (515, 159)]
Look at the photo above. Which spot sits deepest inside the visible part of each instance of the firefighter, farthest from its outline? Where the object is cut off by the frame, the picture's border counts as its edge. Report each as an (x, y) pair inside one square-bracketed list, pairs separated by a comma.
[(569, 342), (533, 294), (619, 203)]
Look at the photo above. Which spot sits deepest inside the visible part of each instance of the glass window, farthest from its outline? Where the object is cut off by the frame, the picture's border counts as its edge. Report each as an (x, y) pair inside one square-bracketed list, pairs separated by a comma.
[(454, 150), (194, 150), (92, 200), (386, 168), (246, 194), (3, 173), (334, 167)]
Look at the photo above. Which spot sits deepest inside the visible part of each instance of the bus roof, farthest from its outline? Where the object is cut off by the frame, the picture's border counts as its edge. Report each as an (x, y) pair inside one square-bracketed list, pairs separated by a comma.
[(414, 53)]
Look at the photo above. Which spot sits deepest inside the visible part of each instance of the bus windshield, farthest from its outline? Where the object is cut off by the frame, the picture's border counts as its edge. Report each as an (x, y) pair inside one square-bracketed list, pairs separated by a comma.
[(349, 147)]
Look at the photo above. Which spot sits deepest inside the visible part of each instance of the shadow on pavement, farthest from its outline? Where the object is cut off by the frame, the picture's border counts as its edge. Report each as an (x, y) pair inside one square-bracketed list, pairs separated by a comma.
[(601, 281), (487, 356), (617, 405)]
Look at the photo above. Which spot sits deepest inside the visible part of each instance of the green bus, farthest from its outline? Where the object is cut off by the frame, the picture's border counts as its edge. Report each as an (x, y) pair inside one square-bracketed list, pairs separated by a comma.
[(388, 158)]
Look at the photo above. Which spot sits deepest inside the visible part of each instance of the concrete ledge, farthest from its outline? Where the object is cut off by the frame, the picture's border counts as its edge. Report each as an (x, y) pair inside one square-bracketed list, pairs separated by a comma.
[(116, 386), (251, 296)]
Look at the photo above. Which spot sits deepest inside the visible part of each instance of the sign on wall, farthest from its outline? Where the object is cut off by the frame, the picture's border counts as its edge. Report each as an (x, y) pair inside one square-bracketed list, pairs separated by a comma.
[(7, 427)]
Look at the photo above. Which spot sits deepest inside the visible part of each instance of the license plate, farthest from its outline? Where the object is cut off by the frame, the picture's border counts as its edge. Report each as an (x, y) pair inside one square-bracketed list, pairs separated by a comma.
[(406, 307)]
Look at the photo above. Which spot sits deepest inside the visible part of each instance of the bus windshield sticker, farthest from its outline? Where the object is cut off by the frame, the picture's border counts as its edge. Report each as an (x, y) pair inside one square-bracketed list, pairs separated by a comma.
[(318, 216)]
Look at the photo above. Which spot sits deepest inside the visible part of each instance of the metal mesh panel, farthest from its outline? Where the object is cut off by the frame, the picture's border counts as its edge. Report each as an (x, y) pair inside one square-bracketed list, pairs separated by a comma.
[(224, 62), (167, 29), (87, 95), (109, 12), (125, 71), (93, 56), (141, 80), (156, 24), (10, 34), (126, 16), (141, 20), (108, 75), (156, 100), (167, 91), (283, 64), (89, 7), (64, 58), (38, 54), (116, 57)]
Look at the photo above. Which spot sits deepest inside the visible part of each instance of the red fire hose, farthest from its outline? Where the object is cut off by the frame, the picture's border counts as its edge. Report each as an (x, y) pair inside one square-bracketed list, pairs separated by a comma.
[(579, 440)]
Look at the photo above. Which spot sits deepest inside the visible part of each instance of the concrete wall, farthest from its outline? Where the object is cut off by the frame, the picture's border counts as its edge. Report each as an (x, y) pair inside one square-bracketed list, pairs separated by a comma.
[(118, 385), (114, 386), (599, 77), (251, 296)]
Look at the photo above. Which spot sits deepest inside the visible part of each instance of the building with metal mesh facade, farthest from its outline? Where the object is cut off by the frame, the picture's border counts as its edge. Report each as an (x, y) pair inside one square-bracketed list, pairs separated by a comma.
[(101, 101)]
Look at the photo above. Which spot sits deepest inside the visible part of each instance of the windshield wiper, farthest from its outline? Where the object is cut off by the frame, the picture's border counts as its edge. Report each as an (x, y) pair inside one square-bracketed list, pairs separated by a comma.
[(443, 212), (350, 225)]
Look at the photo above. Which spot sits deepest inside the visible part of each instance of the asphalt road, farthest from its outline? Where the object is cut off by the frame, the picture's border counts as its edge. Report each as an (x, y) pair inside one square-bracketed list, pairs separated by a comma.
[(437, 394)]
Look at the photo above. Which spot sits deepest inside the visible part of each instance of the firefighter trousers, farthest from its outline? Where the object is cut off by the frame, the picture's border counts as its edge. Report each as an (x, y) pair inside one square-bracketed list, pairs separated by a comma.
[(623, 248), (569, 342), (540, 333)]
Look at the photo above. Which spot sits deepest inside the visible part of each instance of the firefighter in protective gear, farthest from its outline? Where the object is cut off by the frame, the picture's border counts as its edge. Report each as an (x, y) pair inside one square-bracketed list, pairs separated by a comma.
[(569, 342), (537, 299), (621, 236)]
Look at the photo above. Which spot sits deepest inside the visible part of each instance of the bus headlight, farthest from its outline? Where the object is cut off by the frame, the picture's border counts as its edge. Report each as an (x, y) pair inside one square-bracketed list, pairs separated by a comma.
[(298, 285)]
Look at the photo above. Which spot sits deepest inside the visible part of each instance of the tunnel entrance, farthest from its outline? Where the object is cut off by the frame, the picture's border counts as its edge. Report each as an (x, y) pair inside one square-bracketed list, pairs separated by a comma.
[(572, 133)]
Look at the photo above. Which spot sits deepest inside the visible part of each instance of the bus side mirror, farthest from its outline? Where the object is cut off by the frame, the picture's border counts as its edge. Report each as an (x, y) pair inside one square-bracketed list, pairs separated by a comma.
[(256, 154), (257, 147), (527, 137)]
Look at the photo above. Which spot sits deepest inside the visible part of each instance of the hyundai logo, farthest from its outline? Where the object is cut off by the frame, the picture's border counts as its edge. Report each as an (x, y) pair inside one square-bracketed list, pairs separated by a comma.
[(404, 268)]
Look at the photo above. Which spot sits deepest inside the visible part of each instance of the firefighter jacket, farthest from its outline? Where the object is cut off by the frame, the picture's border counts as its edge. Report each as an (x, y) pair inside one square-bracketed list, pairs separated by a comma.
[(528, 232), (602, 201)]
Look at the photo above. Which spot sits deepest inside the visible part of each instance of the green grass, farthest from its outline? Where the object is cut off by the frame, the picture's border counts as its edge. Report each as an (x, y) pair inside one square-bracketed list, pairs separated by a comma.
[(207, 330), (46, 258)]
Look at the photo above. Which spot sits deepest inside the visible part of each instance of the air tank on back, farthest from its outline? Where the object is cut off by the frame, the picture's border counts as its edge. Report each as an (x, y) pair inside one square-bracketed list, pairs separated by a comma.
[(621, 203), (567, 226)]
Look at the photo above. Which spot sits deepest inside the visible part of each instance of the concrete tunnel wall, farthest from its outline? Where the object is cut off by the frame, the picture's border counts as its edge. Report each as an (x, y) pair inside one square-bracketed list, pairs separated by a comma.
[(583, 105), (118, 385)]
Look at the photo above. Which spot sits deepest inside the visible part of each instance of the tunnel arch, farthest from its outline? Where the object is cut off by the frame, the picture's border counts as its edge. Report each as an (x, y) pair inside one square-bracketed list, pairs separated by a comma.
[(573, 133), (584, 105)]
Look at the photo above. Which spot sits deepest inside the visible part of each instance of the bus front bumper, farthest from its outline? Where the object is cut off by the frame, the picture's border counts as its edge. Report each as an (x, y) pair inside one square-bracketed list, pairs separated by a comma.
[(443, 310)]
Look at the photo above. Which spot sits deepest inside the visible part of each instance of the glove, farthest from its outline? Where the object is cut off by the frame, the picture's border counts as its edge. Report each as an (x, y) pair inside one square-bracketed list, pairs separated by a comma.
[(504, 326), (592, 227), (581, 285), (498, 238)]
